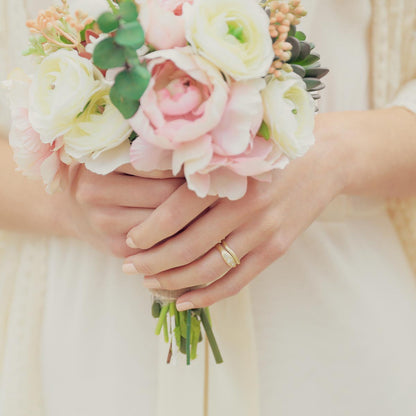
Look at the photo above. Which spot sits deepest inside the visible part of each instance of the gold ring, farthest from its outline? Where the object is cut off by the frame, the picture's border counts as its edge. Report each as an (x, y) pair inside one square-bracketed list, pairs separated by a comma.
[(228, 255), (231, 251)]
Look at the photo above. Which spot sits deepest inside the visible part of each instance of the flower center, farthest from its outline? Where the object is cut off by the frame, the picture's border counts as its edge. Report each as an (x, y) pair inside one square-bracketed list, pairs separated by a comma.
[(236, 29)]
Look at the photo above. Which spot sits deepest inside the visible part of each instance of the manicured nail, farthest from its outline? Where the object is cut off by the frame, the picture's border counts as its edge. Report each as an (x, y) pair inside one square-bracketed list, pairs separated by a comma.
[(151, 283), (130, 243), (129, 268), (184, 306)]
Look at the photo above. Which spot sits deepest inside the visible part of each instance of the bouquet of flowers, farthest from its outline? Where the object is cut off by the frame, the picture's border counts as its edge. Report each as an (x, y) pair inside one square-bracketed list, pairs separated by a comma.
[(221, 90)]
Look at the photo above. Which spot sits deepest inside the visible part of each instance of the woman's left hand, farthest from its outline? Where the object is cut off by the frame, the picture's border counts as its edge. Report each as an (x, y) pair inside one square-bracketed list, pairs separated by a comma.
[(259, 228)]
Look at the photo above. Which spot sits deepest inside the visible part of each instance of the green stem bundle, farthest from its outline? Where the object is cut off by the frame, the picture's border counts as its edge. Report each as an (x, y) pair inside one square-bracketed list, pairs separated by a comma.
[(185, 329)]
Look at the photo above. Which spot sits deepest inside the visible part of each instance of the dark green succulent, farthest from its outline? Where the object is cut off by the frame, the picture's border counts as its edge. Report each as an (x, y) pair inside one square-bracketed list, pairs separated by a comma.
[(305, 62)]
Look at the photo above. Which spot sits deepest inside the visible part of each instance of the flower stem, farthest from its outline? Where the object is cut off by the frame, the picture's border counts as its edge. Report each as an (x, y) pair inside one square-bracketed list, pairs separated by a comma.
[(111, 4), (210, 335), (188, 337), (162, 319)]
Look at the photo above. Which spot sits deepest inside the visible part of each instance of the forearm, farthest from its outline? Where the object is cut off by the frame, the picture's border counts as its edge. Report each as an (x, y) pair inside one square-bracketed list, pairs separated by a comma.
[(374, 150), (25, 206)]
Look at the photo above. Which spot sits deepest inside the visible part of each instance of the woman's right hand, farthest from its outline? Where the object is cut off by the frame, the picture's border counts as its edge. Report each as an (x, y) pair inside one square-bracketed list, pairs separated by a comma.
[(102, 209)]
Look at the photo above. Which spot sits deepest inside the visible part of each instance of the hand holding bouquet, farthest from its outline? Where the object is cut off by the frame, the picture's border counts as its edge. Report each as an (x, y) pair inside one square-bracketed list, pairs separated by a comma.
[(221, 90)]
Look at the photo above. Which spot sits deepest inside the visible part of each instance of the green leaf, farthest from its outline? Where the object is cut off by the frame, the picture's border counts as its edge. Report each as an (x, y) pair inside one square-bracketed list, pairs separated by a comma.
[(108, 22), (84, 31), (300, 70), (131, 56), (128, 11), (309, 60), (128, 108), (313, 84), (300, 35), (107, 54), (130, 34), (316, 72), (264, 131), (132, 83), (292, 30)]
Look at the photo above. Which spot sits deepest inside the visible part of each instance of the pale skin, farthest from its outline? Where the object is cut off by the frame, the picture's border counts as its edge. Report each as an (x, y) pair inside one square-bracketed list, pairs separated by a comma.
[(369, 153)]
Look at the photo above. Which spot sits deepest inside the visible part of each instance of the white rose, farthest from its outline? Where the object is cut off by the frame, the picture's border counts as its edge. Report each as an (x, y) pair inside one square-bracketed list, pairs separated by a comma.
[(100, 136), (289, 113), (61, 88), (232, 34)]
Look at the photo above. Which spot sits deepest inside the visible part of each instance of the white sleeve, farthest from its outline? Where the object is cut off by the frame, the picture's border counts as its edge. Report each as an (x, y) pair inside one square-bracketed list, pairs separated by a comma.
[(406, 97)]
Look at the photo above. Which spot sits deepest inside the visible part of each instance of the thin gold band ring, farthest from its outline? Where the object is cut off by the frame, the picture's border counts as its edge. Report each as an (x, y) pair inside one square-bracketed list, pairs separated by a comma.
[(228, 255)]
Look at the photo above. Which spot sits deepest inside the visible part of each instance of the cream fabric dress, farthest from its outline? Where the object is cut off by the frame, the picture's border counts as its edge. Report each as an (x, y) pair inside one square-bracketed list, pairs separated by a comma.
[(328, 330)]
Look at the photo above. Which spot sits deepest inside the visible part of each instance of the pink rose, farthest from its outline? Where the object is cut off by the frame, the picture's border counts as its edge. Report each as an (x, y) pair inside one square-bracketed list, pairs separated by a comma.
[(34, 158), (190, 118), (163, 23)]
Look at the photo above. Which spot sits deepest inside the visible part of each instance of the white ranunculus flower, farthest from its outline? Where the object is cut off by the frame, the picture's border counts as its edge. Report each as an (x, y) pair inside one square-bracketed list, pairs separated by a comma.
[(289, 113), (232, 34), (100, 136), (62, 86)]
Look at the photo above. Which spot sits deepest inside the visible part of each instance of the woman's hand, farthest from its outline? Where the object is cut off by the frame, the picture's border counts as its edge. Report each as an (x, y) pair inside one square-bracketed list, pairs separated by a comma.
[(259, 228), (102, 209), (356, 152)]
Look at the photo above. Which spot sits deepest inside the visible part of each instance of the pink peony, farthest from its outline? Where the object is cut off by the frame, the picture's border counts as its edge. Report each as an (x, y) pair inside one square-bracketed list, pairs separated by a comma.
[(185, 99), (163, 23), (34, 158), (191, 118)]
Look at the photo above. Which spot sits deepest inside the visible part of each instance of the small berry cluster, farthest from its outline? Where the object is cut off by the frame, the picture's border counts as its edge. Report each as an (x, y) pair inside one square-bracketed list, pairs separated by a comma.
[(282, 16)]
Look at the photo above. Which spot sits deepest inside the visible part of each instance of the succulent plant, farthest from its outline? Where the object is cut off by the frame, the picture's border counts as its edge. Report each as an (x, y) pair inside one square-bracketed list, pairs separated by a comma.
[(305, 62)]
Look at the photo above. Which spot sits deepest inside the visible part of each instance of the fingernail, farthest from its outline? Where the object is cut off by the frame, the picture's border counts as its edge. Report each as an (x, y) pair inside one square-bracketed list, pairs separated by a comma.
[(130, 243), (151, 283), (184, 306), (129, 268)]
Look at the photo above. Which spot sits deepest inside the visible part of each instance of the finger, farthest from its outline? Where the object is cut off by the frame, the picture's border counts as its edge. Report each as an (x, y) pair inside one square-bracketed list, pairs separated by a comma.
[(128, 169), (233, 282), (118, 220), (199, 238), (123, 190), (193, 242), (169, 218), (211, 266)]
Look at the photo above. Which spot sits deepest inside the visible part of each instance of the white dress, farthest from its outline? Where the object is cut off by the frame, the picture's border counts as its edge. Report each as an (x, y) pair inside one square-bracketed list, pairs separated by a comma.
[(334, 319)]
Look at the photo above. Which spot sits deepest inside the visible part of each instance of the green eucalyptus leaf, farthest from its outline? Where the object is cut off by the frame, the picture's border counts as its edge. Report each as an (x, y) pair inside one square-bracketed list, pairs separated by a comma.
[(128, 11), (131, 56), (107, 54), (108, 22), (130, 34), (128, 108), (264, 131), (132, 83), (300, 35)]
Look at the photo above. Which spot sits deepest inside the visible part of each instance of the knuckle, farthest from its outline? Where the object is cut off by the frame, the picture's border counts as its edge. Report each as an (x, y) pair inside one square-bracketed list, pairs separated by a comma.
[(103, 221), (209, 275), (118, 247), (165, 188), (86, 193), (279, 247), (169, 218), (144, 266), (185, 253)]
